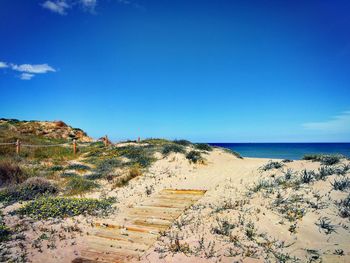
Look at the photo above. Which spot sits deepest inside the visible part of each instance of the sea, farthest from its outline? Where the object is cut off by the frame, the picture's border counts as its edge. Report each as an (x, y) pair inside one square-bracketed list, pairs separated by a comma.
[(292, 151)]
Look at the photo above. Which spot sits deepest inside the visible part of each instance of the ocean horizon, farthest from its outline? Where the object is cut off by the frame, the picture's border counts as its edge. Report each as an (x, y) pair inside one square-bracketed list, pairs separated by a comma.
[(292, 151)]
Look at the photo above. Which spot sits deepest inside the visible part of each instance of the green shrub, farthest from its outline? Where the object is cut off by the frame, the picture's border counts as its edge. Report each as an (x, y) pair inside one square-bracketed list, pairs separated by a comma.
[(194, 157), (107, 165), (78, 166), (271, 165), (326, 159), (307, 177), (137, 155), (11, 173), (56, 168), (341, 184), (173, 148), (68, 175), (183, 142), (61, 207), (203, 147), (344, 207), (94, 176), (79, 185), (30, 189)]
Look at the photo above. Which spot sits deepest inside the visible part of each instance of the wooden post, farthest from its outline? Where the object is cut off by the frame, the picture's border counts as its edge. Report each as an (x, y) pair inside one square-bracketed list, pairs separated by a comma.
[(74, 147), (138, 139), (18, 146), (106, 140)]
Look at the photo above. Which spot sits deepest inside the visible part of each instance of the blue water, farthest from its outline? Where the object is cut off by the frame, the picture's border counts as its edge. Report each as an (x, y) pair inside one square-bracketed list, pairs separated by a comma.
[(293, 151)]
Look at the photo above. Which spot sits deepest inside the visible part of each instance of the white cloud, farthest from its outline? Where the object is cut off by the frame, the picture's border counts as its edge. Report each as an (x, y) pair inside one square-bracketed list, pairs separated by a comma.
[(3, 64), (26, 76), (28, 71), (37, 69), (337, 124), (89, 4), (59, 6)]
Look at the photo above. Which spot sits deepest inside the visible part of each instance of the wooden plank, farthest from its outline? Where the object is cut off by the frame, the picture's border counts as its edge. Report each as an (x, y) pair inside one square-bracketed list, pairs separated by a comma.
[(112, 242)]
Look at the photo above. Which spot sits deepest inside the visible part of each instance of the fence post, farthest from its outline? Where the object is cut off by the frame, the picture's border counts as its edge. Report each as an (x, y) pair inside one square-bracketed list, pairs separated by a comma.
[(74, 147), (138, 139), (105, 140), (18, 146)]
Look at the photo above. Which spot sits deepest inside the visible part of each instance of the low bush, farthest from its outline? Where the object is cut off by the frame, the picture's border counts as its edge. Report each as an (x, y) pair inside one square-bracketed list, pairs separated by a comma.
[(271, 165), (107, 165), (341, 184), (78, 166), (137, 155), (68, 175), (79, 185), (203, 147), (11, 173), (326, 159), (307, 177), (344, 207), (183, 142), (61, 207), (56, 168), (94, 176), (30, 189), (194, 157), (173, 148)]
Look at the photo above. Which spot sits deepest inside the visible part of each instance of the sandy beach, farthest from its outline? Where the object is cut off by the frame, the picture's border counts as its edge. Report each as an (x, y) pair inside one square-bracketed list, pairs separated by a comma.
[(233, 221)]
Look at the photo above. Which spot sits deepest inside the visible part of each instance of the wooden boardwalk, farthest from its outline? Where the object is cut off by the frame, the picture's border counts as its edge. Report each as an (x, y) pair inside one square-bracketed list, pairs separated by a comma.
[(121, 243)]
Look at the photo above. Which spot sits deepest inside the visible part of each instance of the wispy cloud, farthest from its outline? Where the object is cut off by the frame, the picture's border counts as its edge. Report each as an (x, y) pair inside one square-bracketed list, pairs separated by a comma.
[(26, 76), (37, 69), (59, 7), (28, 71), (337, 124), (3, 64)]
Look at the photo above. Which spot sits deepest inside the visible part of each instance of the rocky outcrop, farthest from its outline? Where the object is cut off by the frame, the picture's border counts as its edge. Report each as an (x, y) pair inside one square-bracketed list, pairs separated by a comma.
[(47, 129)]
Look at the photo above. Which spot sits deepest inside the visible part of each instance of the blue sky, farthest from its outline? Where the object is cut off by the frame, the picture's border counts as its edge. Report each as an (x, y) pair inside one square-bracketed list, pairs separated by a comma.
[(214, 71)]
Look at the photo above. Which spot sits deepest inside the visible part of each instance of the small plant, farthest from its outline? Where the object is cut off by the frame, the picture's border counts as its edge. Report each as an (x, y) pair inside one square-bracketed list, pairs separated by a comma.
[(80, 185), (223, 227), (324, 172), (288, 174), (172, 148), (341, 184), (307, 177), (250, 231), (344, 207), (60, 207), (203, 147), (5, 232), (324, 223), (271, 165), (287, 161), (194, 157)]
